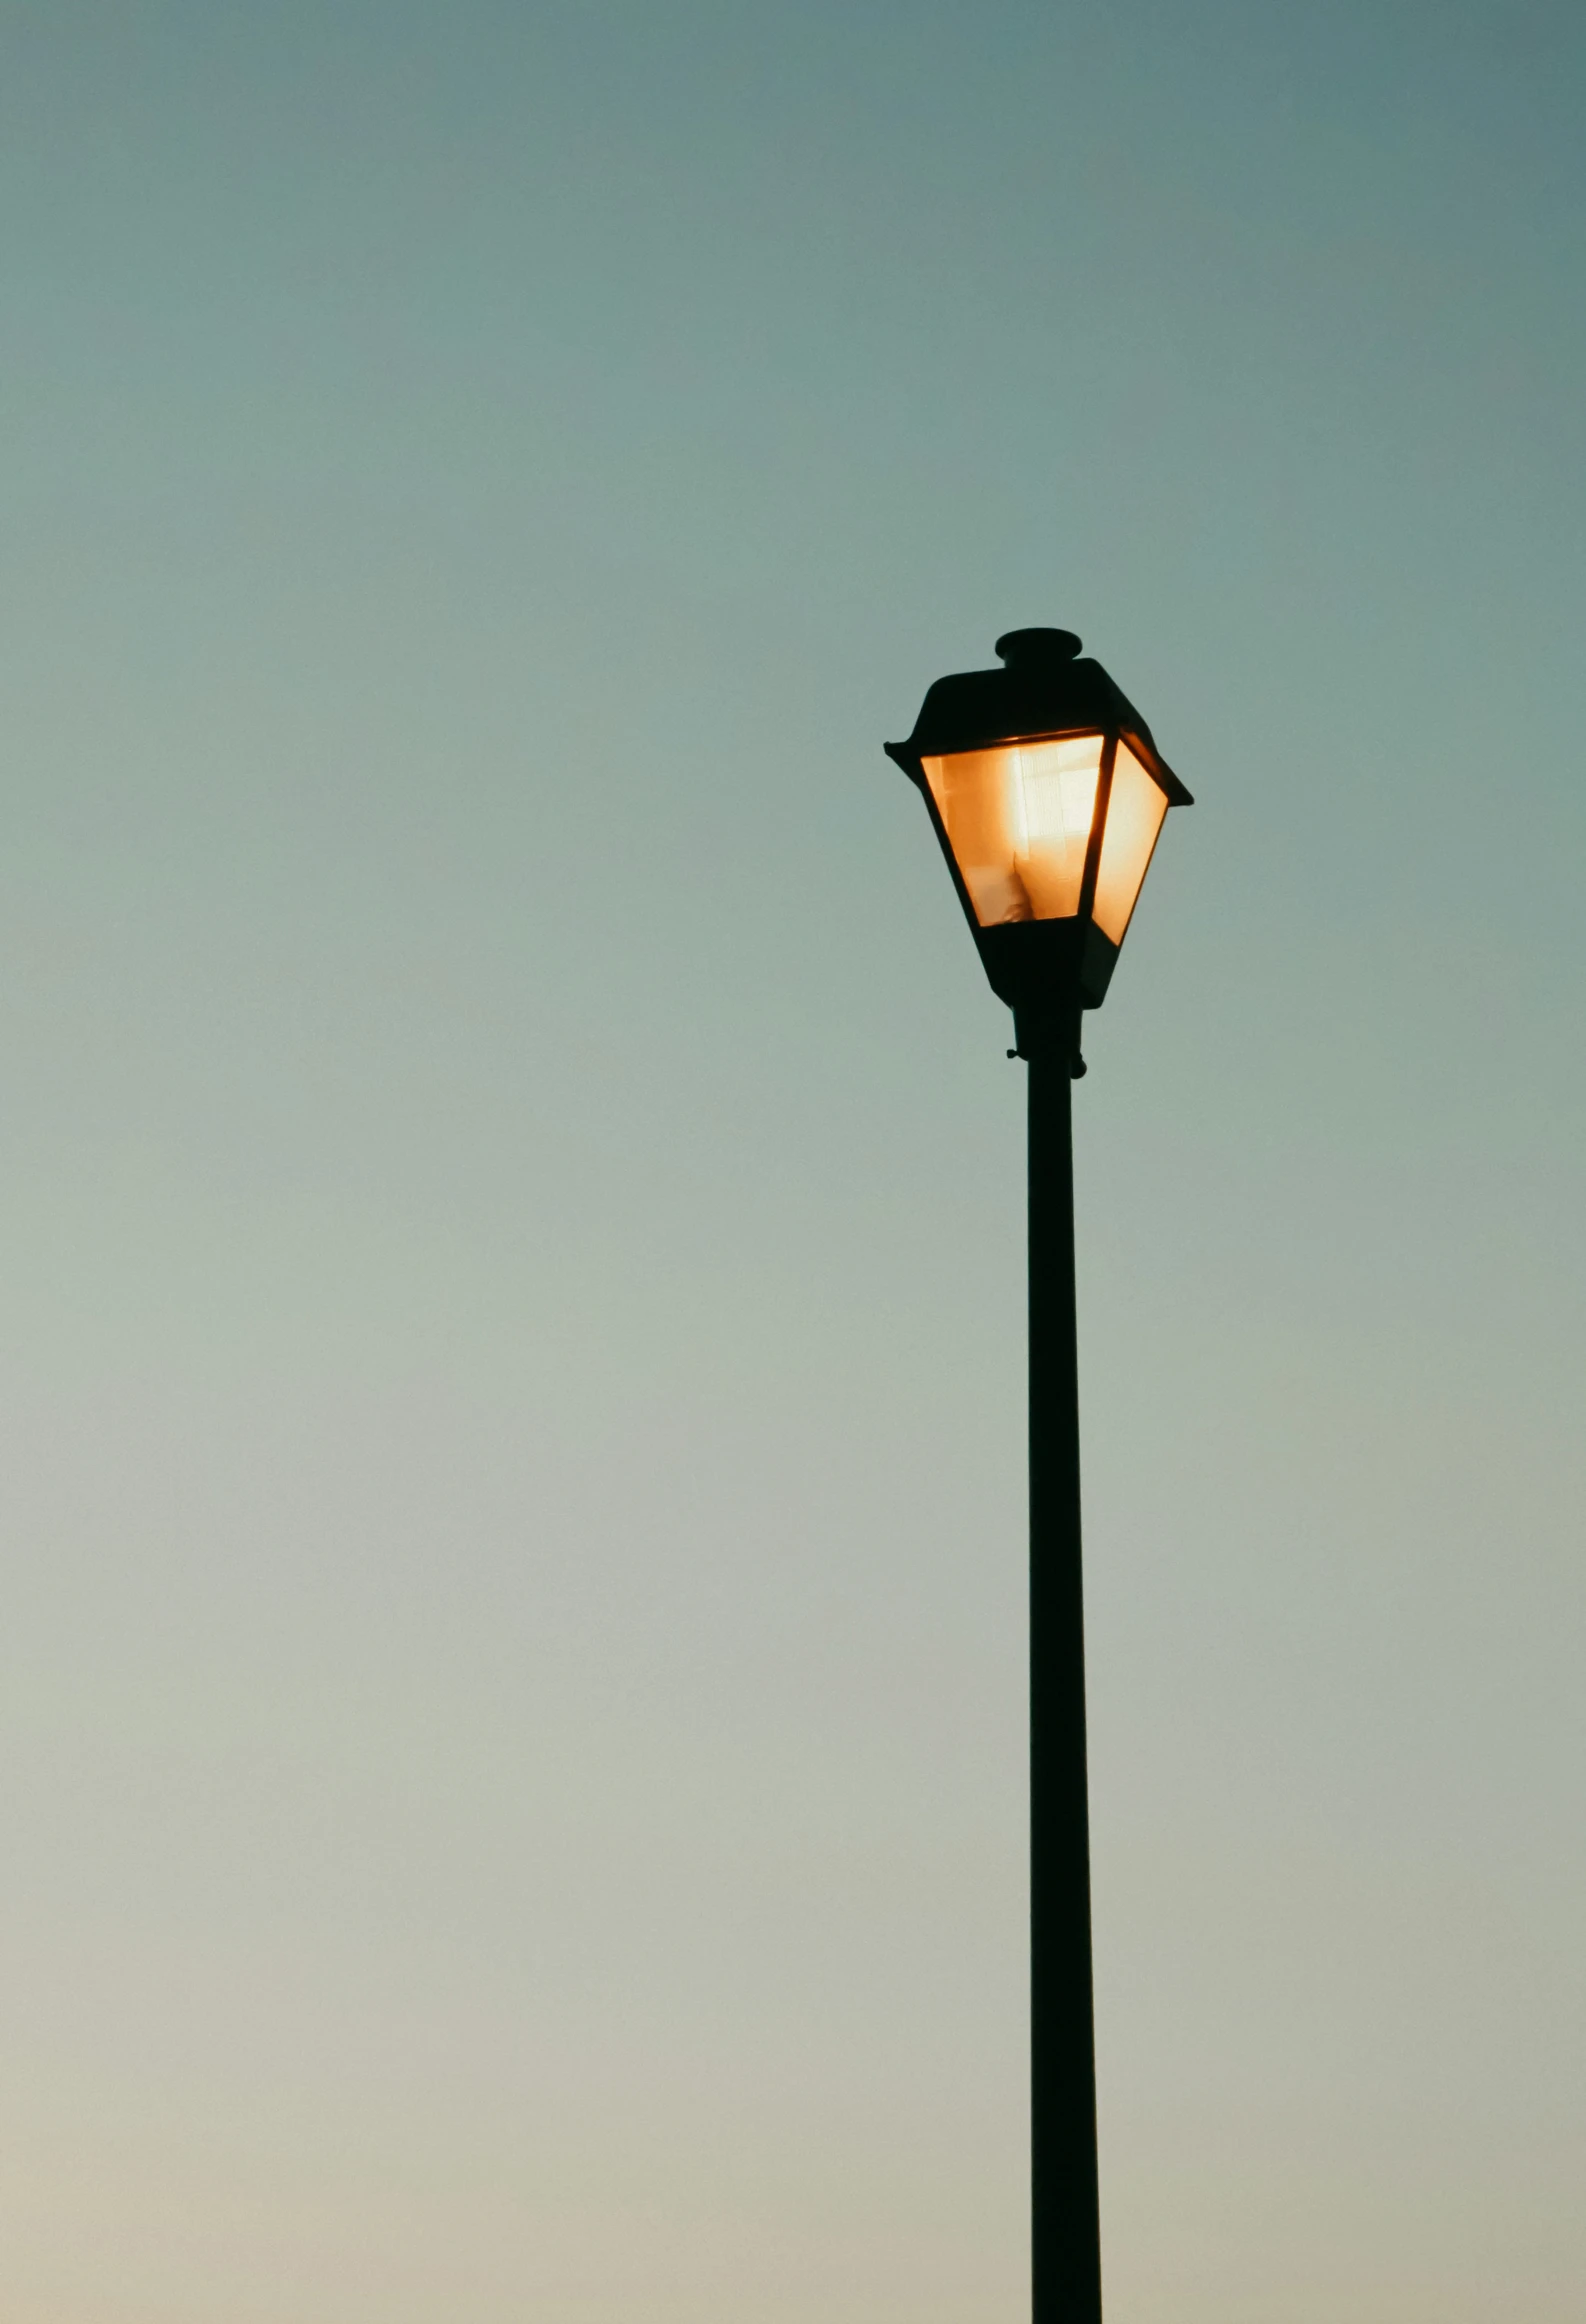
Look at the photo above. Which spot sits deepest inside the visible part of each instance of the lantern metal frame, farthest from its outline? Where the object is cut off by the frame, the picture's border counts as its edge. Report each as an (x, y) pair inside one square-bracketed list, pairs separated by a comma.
[(1047, 971)]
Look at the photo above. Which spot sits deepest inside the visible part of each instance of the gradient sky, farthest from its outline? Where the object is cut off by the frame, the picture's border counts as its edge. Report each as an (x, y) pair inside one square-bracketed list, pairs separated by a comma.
[(511, 1620)]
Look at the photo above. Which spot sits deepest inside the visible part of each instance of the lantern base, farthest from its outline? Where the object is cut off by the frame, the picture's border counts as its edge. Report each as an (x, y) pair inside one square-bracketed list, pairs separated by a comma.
[(1048, 972)]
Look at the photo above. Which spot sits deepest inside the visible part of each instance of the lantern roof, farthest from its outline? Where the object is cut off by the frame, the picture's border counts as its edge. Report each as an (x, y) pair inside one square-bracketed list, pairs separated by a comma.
[(1044, 687)]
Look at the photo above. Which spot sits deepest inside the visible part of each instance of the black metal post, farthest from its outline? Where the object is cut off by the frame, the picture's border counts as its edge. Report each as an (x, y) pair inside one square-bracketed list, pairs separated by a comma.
[(1066, 2249)]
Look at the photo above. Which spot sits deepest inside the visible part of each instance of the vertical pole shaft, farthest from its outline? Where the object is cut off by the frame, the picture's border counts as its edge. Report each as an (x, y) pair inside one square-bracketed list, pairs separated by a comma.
[(1066, 2250)]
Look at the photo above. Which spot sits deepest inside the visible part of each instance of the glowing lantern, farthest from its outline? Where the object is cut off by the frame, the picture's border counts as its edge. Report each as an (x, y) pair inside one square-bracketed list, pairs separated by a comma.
[(1047, 794)]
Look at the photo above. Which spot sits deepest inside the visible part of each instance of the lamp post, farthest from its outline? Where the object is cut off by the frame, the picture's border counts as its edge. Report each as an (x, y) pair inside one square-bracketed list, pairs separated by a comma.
[(1047, 794)]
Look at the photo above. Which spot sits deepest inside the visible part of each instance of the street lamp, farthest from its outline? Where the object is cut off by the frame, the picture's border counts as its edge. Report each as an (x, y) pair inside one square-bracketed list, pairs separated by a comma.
[(1047, 794)]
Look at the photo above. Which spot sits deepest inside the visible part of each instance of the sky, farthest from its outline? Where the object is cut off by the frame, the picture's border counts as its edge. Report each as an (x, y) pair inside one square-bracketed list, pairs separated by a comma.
[(512, 1712)]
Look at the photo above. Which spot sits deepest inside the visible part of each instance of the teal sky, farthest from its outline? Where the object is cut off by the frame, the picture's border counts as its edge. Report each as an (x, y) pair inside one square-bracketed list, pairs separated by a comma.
[(511, 1616)]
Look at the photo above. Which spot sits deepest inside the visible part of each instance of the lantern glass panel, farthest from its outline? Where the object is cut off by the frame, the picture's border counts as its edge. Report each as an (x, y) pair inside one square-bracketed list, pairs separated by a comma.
[(1018, 821), (1134, 817)]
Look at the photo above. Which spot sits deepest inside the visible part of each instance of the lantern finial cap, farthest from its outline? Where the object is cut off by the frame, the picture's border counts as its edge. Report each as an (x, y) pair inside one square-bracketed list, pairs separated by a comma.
[(1029, 649)]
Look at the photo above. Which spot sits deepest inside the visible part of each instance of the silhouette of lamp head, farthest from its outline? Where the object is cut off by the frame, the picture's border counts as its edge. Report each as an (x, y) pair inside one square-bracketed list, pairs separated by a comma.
[(1047, 794)]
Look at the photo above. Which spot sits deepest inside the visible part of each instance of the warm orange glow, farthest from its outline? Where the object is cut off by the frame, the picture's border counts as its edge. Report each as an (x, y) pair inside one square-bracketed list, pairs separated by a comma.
[(1017, 820), (1134, 817)]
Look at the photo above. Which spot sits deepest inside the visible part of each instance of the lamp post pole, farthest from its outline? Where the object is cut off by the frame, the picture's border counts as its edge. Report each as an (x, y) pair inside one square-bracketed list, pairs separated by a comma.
[(1066, 2230)]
